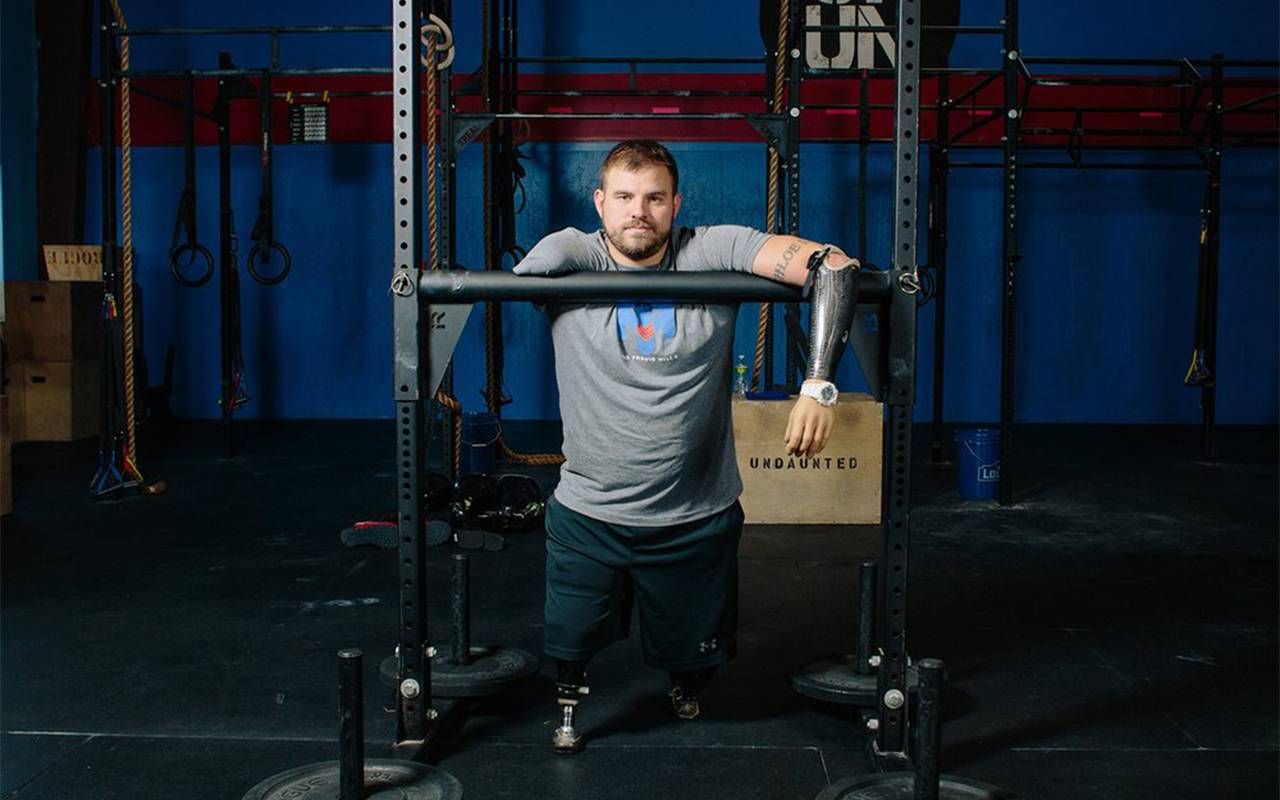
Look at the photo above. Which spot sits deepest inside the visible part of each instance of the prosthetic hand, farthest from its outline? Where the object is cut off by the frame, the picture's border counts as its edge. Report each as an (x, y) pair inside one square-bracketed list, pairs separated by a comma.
[(832, 291)]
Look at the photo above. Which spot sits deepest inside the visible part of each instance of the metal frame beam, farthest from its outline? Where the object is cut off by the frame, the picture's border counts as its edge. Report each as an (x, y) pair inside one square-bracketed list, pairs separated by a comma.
[(413, 662), (891, 733)]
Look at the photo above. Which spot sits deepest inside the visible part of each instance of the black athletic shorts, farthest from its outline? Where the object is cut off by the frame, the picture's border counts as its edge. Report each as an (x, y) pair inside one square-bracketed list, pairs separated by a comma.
[(684, 578)]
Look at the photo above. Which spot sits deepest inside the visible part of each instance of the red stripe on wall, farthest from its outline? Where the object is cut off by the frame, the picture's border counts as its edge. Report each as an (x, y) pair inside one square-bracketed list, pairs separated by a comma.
[(1137, 110)]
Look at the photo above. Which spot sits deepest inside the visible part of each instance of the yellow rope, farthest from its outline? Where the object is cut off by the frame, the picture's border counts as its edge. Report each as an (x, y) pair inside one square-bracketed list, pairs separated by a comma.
[(433, 225), (433, 138), (126, 205), (774, 170)]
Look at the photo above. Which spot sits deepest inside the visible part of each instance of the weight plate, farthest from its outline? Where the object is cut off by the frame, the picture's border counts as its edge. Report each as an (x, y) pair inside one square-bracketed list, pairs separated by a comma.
[(493, 670), (384, 779), (834, 680), (901, 786)]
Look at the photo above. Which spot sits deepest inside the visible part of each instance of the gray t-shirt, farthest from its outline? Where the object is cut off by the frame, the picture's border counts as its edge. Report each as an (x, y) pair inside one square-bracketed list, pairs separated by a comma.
[(645, 389)]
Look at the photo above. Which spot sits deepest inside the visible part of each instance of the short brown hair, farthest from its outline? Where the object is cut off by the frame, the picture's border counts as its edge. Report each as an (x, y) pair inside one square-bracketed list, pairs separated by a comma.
[(635, 154)]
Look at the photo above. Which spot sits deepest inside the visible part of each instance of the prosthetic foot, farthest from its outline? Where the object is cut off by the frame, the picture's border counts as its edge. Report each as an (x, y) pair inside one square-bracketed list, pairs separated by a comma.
[(685, 687), (683, 705)]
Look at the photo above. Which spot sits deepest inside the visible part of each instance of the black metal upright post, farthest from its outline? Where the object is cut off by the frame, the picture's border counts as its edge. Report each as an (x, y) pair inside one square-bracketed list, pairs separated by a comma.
[(449, 169), (226, 259), (1009, 247), (413, 688), (939, 185), (1213, 228), (791, 175), (904, 285), (110, 244), (864, 147)]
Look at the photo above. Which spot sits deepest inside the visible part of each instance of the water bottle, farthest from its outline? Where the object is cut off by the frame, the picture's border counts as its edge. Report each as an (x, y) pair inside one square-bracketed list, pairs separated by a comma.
[(740, 376)]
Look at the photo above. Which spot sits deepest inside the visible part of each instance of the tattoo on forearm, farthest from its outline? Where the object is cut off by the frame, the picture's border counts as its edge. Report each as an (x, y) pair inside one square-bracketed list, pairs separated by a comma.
[(780, 269)]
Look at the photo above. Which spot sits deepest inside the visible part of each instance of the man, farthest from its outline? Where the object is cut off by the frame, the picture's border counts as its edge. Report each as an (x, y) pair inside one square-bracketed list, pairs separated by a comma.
[(647, 502)]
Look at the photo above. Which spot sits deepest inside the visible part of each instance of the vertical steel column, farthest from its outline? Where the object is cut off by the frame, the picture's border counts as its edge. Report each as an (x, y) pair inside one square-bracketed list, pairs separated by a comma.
[(110, 244), (864, 144), (449, 173), (939, 173), (905, 283), (1213, 228), (226, 256), (1009, 247), (791, 175), (410, 369)]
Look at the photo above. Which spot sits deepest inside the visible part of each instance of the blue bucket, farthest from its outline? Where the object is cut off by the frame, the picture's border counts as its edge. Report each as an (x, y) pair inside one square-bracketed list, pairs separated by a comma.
[(978, 462), (480, 432)]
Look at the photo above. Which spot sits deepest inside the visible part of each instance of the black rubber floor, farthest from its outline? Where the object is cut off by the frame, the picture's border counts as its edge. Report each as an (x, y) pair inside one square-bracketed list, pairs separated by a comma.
[(1112, 635)]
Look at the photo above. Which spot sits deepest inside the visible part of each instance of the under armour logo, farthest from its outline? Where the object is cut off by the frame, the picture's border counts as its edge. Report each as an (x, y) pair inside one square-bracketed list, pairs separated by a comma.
[(708, 646)]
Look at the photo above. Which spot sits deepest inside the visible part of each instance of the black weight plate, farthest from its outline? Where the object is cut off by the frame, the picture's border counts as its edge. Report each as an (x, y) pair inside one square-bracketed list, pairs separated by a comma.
[(834, 680), (384, 779), (493, 670), (901, 786)]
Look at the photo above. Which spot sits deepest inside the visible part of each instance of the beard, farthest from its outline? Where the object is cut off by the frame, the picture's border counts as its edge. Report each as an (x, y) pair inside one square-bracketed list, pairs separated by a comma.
[(638, 244)]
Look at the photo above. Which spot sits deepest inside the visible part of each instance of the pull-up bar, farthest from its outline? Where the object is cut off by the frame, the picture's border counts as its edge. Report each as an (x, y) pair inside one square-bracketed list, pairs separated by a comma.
[(472, 286)]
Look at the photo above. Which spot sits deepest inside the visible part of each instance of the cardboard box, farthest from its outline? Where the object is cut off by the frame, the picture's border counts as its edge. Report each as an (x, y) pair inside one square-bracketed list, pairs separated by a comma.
[(842, 485), (73, 262), (6, 458), (54, 401), (51, 321)]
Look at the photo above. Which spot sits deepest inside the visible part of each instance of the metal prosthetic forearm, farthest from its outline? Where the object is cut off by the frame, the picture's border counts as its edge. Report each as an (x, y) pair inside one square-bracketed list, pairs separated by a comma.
[(833, 295)]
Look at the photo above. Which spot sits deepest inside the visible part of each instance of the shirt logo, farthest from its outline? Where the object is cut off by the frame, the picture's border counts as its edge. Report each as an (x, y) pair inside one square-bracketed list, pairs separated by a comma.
[(644, 329)]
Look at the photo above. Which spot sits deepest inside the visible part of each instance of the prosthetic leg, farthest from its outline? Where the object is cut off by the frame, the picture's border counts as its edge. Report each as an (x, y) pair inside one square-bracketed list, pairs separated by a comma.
[(571, 687)]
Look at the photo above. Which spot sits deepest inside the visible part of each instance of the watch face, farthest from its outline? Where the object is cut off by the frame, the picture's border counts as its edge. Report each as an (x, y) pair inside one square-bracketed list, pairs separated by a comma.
[(828, 394)]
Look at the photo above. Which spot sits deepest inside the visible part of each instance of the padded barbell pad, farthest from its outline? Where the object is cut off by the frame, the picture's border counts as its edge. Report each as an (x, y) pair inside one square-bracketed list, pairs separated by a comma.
[(833, 295)]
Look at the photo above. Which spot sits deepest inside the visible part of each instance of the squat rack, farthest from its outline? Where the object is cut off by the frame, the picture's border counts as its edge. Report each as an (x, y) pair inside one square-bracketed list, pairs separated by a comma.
[(888, 355)]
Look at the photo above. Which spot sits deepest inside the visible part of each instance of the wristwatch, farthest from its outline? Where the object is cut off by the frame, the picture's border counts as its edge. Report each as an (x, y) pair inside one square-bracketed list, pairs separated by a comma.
[(822, 391)]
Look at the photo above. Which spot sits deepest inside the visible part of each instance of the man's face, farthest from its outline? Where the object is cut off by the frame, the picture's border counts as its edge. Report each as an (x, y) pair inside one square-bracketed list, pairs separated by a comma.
[(637, 209)]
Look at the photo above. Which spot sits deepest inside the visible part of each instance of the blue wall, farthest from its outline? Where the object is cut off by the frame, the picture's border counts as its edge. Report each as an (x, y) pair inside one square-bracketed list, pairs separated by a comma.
[(1107, 293), (18, 141)]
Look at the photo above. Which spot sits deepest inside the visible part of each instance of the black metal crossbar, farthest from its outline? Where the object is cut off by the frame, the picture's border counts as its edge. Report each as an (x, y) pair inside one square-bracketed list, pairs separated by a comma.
[(473, 286)]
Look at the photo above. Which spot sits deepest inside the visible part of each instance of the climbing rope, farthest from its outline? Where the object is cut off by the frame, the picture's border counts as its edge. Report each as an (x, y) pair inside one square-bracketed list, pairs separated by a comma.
[(129, 455), (430, 32), (774, 175)]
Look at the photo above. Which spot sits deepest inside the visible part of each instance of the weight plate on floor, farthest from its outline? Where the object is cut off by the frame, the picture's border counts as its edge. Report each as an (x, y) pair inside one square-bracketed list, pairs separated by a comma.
[(492, 670), (834, 680), (901, 786), (384, 779)]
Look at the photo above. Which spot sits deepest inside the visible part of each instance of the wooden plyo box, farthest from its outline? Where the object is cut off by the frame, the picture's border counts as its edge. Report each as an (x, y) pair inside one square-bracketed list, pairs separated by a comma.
[(6, 458), (54, 401), (53, 321), (842, 485)]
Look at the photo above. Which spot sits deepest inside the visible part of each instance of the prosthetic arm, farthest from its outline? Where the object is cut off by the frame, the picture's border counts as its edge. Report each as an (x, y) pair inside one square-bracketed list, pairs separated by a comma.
[(833, 294)]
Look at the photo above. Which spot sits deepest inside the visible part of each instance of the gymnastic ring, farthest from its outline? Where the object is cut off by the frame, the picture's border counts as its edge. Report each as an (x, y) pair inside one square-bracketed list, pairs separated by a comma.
[(175, 268), (259, 249), (439, 26)]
